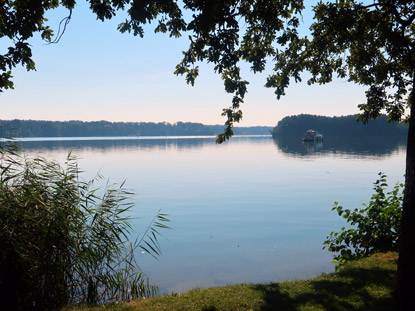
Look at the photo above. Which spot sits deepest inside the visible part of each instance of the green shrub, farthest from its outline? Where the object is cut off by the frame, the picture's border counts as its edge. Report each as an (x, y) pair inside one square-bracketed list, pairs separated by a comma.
[(63, 241), (375, 227)]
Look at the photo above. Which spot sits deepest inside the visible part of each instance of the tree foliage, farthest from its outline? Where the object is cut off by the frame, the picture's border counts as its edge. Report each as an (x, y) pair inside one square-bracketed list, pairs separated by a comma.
[(369, 44), (374, 228), (220, 32), (65, 241)]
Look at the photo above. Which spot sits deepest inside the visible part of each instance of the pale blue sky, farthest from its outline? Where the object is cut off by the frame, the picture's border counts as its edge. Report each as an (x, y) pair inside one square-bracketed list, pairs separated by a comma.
[(97, 73)]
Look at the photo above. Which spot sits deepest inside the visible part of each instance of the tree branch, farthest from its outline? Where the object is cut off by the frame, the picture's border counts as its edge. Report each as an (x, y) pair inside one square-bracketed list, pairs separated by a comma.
[(393, 9), (65, 22)]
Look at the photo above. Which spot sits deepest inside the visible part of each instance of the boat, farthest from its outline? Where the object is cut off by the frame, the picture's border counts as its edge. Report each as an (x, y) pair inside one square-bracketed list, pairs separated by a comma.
[(312, 135)]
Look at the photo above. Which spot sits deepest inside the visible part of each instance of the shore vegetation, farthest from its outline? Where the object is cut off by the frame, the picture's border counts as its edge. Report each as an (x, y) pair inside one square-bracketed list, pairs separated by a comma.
[(64, 240)]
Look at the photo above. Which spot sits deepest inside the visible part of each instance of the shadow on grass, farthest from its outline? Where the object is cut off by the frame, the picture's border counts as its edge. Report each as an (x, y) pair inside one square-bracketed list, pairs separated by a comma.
[(352, 290)]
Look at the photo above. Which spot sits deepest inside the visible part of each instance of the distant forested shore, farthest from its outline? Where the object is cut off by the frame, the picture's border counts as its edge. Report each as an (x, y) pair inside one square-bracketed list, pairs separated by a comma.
[(289, 126), (344, 126), (34, 128)]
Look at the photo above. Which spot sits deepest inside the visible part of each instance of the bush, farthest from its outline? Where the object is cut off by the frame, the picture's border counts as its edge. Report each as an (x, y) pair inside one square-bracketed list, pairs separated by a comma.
[(376, 227), (63, 241)]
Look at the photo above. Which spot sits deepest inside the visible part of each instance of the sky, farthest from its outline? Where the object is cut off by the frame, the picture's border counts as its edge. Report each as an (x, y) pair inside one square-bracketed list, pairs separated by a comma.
[(96, 73)]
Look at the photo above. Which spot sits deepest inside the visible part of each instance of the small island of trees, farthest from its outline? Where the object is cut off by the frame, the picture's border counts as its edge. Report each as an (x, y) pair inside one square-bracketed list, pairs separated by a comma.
[(343, 126)]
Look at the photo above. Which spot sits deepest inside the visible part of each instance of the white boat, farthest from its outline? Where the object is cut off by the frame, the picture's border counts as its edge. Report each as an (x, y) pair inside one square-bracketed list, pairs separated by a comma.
[(312, 135)]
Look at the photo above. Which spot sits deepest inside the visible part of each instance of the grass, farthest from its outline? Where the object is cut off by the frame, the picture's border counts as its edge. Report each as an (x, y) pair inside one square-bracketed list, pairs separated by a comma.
[(365, 284)]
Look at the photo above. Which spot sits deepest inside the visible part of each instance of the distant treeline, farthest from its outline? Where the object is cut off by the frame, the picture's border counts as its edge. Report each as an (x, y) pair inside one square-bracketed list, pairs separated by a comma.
[(338, 126), (32, 128)]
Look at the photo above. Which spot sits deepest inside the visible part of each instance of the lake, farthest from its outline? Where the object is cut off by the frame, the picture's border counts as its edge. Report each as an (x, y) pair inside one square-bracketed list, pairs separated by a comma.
[(251, 210)]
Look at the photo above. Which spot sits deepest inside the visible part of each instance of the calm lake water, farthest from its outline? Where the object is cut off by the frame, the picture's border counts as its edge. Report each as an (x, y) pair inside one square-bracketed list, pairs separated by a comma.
[(251, 210)]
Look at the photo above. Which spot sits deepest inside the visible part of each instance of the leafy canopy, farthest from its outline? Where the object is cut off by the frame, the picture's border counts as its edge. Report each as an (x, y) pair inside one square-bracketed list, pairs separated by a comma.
[(220, 32), (370, 43)]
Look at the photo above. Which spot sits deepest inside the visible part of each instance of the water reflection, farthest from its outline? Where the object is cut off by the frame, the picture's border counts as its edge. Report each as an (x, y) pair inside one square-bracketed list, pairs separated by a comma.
[(291, 146), (370, 146), (111, 144)]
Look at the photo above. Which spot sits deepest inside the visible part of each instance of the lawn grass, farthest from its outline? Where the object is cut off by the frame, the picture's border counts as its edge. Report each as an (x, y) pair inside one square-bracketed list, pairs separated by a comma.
[(365, 284)]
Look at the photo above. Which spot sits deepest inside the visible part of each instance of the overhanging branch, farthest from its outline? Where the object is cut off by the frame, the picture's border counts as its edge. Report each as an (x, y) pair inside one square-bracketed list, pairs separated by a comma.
[(65, 21)]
